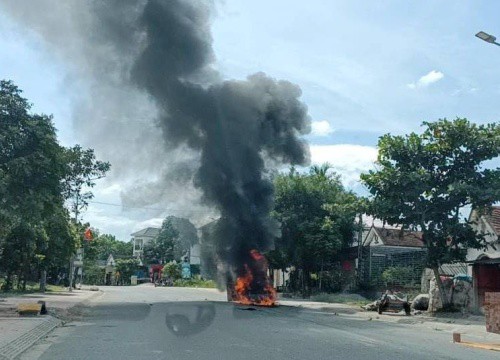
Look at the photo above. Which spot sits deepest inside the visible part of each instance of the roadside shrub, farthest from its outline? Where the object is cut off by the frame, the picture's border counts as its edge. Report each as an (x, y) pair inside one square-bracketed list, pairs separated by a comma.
[(196, 283), (93, 275), (341, 298), (172, 270), (126, 268), (399, 276)]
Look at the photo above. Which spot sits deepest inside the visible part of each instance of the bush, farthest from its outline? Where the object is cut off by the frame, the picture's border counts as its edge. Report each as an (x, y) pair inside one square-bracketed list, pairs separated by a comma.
[(126, 268), (196, 283), (341, 298), (399, 276), (93, 275), (172, 270)]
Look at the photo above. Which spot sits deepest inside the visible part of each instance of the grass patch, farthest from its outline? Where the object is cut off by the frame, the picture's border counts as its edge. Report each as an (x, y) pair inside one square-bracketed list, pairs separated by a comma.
[(195, 283), (340, 298), (31, 287)]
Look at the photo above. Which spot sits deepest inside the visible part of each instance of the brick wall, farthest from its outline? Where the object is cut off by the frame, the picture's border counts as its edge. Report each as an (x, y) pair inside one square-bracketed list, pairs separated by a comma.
[(492, 311)]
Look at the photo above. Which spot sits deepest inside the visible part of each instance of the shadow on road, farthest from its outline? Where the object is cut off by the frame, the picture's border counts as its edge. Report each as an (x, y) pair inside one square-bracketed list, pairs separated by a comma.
[(186, 319)]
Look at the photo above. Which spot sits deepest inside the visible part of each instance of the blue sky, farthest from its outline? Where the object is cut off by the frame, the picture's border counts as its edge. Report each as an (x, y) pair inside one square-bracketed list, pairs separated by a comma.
[(365, 68)]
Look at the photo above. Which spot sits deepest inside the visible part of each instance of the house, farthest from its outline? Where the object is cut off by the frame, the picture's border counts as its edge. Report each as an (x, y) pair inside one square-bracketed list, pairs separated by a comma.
[(187, 233), (485, 263), (109, 270), (141, 238), (391, 247)]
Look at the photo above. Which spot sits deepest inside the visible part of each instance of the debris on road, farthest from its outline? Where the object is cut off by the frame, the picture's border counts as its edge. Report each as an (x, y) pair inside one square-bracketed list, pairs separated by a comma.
[(24, 309), (420, 302)]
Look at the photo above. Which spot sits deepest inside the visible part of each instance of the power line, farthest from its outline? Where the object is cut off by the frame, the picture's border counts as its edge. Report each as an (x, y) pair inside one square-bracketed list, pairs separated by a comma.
[(144, 207)]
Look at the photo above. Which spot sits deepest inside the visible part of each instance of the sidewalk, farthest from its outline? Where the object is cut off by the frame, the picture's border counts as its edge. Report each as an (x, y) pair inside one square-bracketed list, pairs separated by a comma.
[(20, 333), (472, 327)]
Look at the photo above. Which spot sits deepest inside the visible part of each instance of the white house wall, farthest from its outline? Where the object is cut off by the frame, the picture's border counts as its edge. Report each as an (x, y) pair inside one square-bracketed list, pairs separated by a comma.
[(493, 248)]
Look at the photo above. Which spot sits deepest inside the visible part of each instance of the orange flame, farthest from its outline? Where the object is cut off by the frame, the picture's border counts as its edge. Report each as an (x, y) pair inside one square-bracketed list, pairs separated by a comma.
[(243, 286)]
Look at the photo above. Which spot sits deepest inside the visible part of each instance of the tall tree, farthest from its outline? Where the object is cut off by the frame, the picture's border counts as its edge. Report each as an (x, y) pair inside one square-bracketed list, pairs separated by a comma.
[(317, 219), (83, 169), (31, 169), (105, 244), (37, 175), (187, 235), (162, 249), (423, 181)]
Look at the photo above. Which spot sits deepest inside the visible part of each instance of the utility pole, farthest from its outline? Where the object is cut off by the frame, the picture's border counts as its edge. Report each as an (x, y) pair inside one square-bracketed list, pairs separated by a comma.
[(72, 258), (360, 249)]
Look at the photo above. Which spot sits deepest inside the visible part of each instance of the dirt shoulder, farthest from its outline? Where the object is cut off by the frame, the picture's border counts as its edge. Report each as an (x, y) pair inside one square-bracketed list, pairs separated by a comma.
[(58, 303), (471, 327)]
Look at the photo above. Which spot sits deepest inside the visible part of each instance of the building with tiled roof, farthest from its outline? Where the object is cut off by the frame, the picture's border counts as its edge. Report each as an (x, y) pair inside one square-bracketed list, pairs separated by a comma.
[(384, 248), (485, 263), (380, 236), (493, 219)]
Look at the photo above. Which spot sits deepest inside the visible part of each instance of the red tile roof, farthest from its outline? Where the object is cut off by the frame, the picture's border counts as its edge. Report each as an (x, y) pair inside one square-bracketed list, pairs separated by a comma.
[(494, 219), (395, 237)]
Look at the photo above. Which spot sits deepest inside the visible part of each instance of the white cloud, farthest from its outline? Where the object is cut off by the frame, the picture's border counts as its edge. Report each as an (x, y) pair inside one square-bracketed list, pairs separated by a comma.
[(429, 78), (346, 159), (112, 189), (321, 128)]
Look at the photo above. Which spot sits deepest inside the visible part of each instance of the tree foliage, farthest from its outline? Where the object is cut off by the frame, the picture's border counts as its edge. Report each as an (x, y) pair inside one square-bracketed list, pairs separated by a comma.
[(103, 245), (82, 171), (317, 216), (162, 249), (126, 268), (36, 176), (187, 235), (423, 182), (172, 270)]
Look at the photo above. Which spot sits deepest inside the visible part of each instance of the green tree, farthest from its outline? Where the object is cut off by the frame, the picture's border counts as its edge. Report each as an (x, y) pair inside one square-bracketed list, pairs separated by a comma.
[(31, 170), (187, 235), (423, 182), (18, 255), (162, 249), (60, 243), (126, 268), (37, 176), (317, 220), (105, 244), (83, 169)]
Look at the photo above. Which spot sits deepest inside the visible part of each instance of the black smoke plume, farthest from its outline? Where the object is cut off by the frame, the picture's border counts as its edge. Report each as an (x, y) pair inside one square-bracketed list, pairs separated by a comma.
[(165, 49), (233, 123)]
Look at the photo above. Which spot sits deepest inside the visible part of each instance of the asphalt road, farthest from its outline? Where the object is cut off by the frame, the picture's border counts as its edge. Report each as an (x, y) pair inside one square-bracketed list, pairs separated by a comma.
[(175, 323)]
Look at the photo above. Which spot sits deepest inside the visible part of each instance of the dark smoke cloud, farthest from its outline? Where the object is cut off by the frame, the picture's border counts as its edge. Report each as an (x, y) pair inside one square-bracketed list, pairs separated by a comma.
[(98, 42), (161, 52), (233, 123)]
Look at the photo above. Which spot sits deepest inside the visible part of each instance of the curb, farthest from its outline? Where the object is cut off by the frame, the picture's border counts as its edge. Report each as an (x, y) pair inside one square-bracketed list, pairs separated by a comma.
[(25, 341), (67, 315), (28, 339)]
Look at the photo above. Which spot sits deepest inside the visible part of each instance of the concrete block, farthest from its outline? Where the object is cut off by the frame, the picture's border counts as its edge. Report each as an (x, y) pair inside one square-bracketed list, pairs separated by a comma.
[(29, 308)]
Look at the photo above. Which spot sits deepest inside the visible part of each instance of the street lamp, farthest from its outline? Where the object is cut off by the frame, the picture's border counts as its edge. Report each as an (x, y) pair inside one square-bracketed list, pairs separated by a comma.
[(487, 37)]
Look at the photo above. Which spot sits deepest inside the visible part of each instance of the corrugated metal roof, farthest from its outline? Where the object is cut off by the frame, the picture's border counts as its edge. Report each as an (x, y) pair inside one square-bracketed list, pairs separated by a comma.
[(453, 269)]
